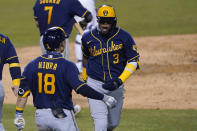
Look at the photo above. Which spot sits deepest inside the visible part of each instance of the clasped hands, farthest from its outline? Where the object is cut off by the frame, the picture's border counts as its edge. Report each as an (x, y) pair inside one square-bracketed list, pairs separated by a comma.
[(113, 84)]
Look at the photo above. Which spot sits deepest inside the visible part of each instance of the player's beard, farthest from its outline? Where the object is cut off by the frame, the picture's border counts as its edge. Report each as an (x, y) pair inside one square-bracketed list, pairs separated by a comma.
[(105, 28)]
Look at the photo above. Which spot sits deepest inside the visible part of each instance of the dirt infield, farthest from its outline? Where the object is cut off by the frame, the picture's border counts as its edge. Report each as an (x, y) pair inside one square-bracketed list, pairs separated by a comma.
[(167, 79)]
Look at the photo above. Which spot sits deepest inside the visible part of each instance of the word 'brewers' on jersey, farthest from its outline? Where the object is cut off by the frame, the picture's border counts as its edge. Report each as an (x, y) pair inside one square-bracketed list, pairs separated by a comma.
[(8, 55), (61, 13), (50, 78), (108, 55)]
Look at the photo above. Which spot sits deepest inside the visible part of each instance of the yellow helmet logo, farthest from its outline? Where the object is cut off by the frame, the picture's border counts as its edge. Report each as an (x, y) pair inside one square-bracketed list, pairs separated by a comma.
[(106, 11)]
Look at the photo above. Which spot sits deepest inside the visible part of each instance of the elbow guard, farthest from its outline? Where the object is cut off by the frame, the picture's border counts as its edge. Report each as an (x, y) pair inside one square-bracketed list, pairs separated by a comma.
[(88, 17), (129, 69)]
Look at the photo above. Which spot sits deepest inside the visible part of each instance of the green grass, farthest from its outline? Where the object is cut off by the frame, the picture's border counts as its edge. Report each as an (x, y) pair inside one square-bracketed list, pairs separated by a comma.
[(157, 17), (131, 120), (139, 17)]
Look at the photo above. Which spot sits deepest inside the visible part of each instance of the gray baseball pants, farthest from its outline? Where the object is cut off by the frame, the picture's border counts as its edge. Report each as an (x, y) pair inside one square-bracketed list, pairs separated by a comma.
[(105, 118), (45, 121)]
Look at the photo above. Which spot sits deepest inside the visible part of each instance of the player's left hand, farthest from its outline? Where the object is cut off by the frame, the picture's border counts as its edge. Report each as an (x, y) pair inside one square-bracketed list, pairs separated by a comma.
[(113, 84), (19, 121)]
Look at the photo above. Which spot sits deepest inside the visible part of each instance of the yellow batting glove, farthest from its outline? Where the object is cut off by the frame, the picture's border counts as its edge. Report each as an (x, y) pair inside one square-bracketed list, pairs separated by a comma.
[(84, 74)]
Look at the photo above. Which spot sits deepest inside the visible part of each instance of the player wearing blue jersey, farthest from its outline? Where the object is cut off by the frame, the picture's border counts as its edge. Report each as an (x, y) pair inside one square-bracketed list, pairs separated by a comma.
[(49, 13), (112, 57), (8, 55), (51, 78)]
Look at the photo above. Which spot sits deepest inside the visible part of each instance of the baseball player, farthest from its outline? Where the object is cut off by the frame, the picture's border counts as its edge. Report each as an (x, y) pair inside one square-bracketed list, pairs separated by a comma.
[(91, 6), (112, 57), (49, 13), (50, 78), (8, 55)]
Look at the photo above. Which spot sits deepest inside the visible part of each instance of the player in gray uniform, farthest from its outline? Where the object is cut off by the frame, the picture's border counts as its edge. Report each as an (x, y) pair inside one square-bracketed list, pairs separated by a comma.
[(112, 57), (51, 78), (91, 6), (8, 55)]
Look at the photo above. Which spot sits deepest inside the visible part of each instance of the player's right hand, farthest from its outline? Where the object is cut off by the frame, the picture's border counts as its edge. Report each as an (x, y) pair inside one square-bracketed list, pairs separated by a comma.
[(19, 121), (83, 24), (109, 101)]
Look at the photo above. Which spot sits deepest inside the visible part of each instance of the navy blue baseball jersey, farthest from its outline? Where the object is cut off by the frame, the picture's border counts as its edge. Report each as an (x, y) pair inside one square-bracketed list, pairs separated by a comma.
[(108, 55), (50, 78), (61, 13), (8, 55)]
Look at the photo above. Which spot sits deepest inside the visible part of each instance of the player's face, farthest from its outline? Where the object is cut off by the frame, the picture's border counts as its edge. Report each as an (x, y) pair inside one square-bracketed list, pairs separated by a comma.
[(104, 27)]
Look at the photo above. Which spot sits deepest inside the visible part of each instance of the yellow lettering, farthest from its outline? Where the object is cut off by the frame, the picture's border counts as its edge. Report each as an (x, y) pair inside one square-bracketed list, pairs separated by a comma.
[(120, 46), (43, 66), (2, 39), (50, 2), (40, 65), (58, 1), (112, 45), (47, 65), (51, 65), (104, 50), (55, 67), (111, 48)]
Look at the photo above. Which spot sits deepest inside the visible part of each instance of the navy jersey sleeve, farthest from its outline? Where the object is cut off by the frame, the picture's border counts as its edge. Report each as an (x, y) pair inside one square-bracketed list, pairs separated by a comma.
[(24, 89), (84, 47), (12, 60), (130, 49), (78, 9), (79, 85), (73, 77)]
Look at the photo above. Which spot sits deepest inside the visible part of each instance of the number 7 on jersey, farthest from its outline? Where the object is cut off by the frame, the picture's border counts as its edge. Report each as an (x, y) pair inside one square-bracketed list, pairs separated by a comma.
[(50, 10)]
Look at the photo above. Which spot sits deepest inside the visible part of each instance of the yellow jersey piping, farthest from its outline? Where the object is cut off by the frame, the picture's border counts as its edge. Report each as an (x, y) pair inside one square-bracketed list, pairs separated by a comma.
[(101, 51), (108, 51)]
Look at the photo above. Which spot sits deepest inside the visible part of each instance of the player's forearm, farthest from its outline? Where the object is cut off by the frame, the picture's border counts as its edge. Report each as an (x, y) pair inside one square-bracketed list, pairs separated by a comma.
[(129, 69), (16, 75), (15, 70), (87, 91), (20, 104)]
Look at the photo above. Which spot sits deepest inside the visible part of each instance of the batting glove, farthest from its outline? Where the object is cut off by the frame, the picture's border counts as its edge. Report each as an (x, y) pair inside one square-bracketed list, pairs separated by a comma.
[(19, 121), (113, 84), (109, 101), (83, 24)]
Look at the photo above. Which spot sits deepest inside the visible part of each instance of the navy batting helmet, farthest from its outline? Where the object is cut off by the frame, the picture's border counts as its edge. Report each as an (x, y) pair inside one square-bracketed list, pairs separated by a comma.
[(106, 13), (53, 37)]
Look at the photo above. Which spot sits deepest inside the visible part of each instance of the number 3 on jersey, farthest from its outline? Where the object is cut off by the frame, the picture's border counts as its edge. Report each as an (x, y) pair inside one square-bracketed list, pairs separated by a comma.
[(49, 86), (50, 10)]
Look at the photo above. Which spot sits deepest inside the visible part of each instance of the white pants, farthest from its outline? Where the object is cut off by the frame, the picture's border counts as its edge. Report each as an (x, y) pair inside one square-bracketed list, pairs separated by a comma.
[(105, 118), (65, 54), (2, 94), (78, 52), (45, 121)]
